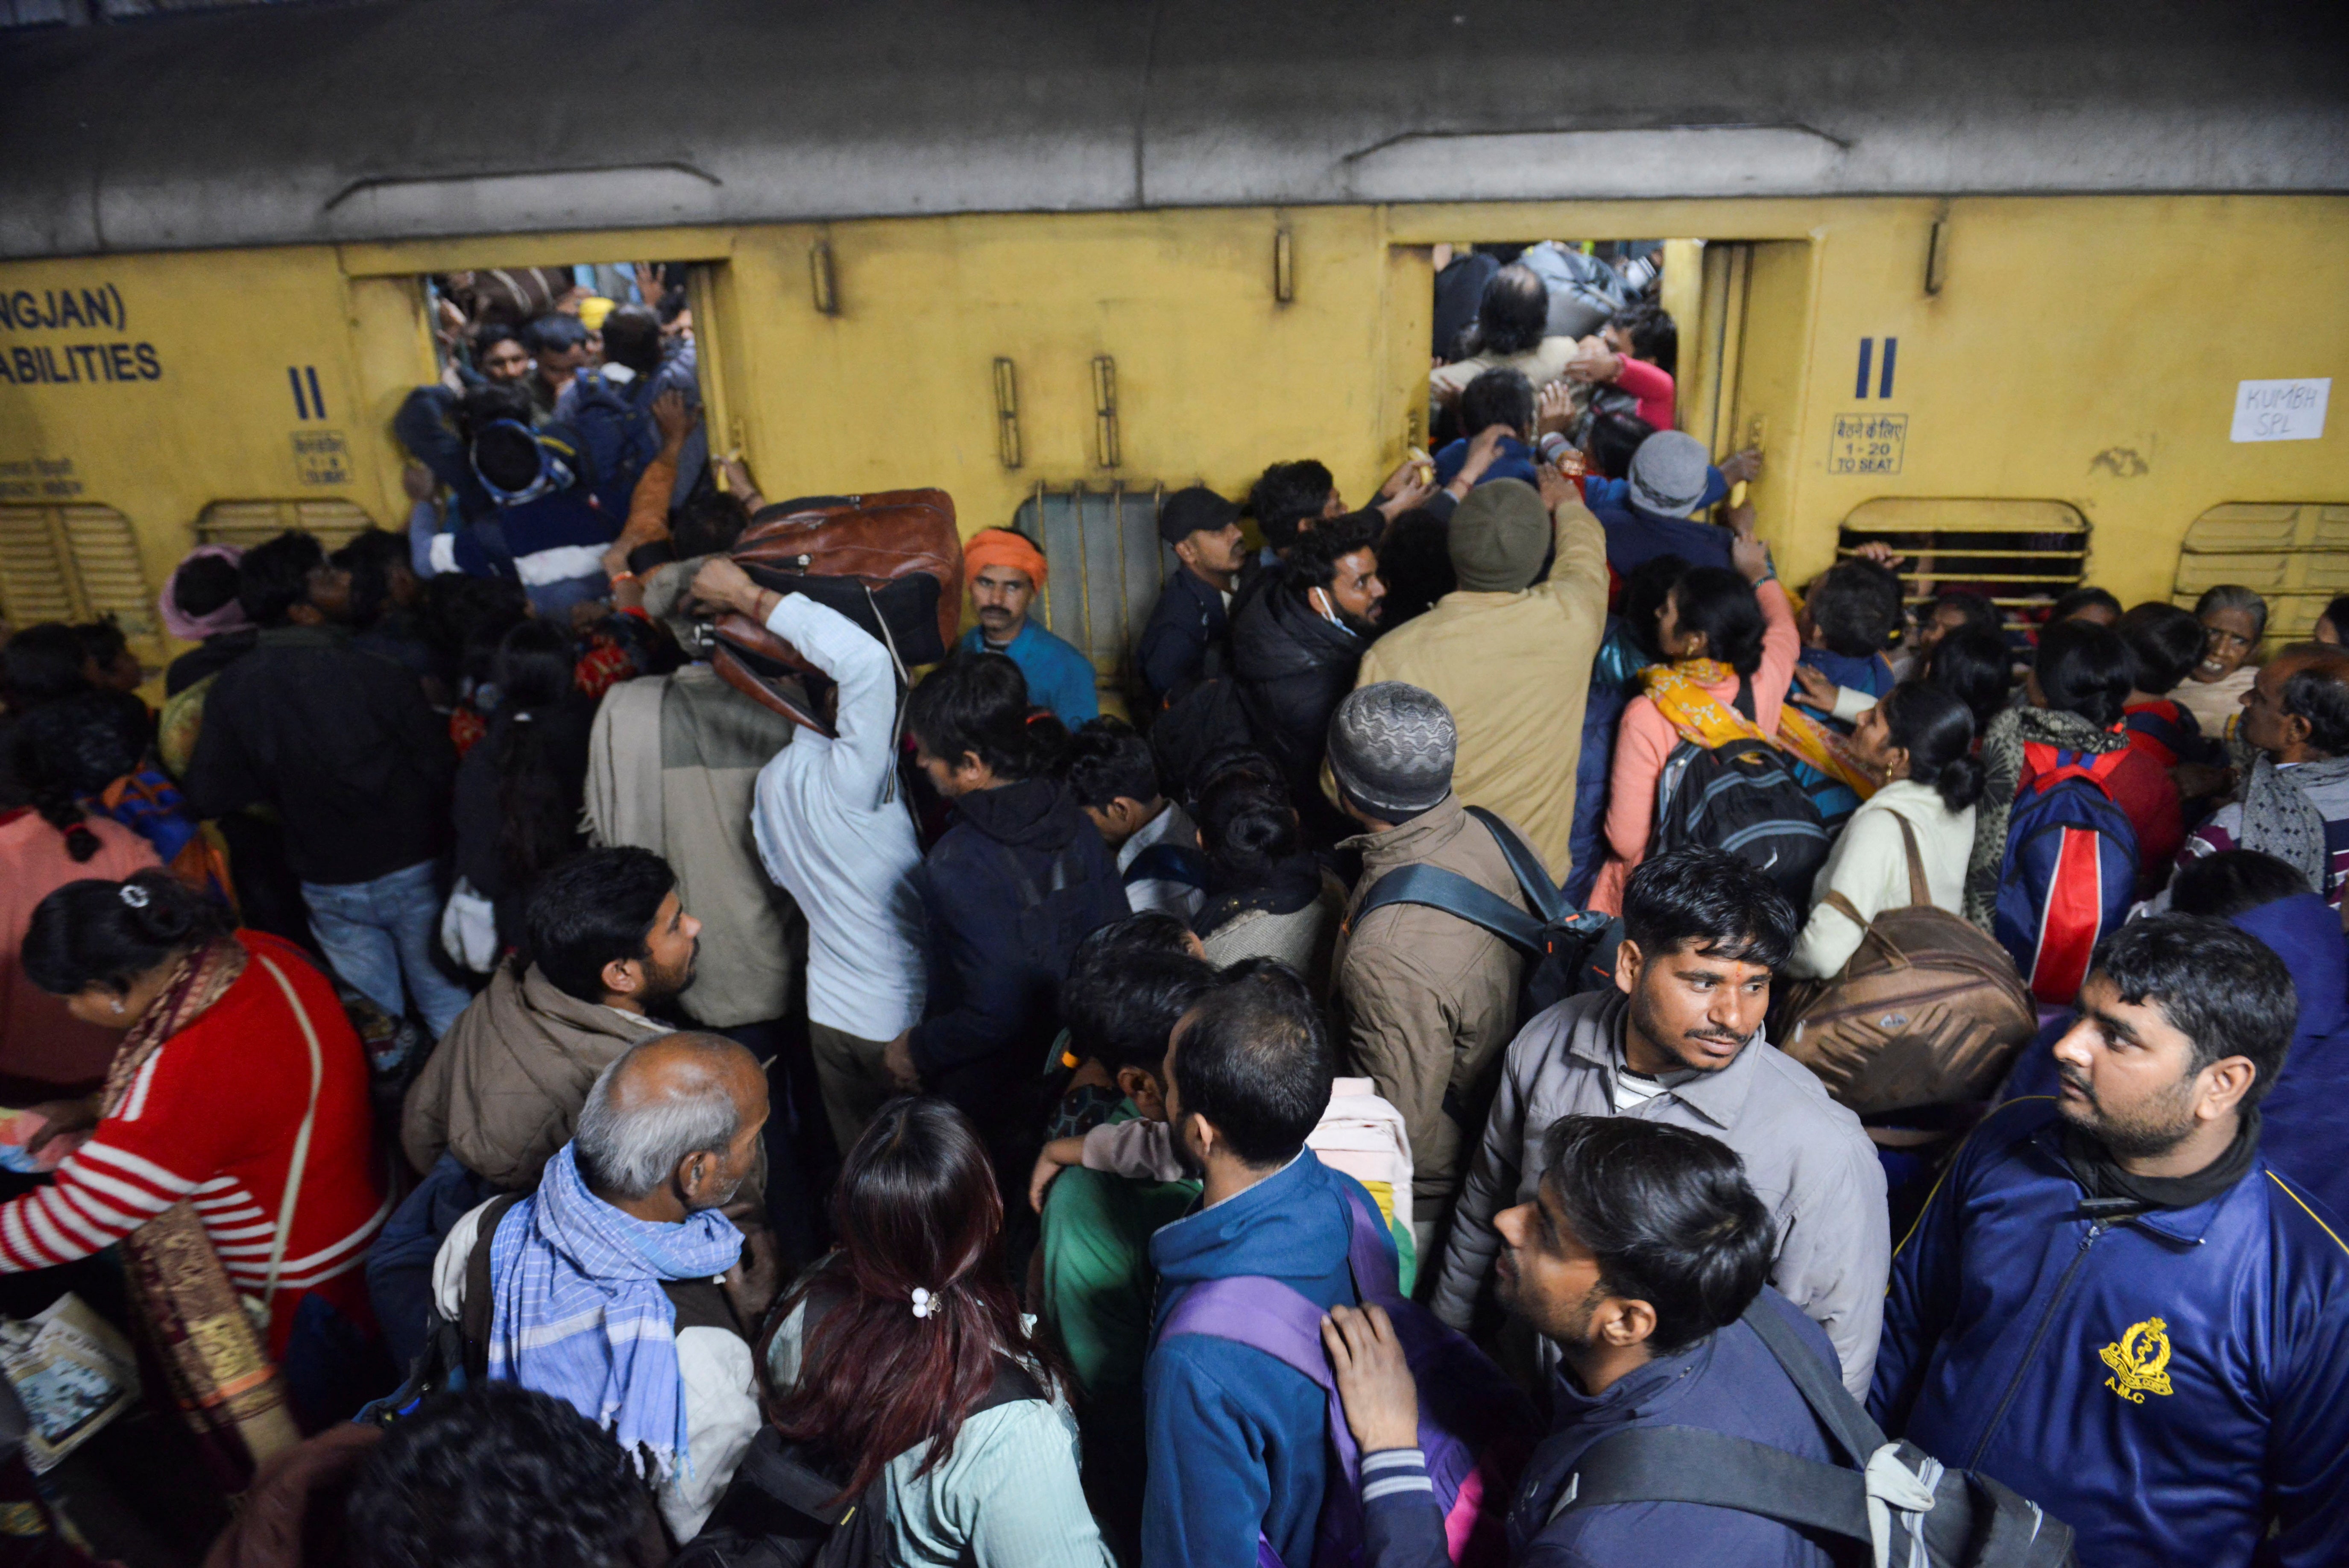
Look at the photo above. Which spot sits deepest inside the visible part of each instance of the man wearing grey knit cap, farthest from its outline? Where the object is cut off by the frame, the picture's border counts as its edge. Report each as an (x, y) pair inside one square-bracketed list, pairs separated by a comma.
[(1509, 650), (1671, 480), (1428, 1001)]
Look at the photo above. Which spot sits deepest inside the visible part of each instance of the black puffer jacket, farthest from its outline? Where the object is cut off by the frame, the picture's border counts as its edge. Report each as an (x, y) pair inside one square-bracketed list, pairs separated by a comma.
[(1293, 668)]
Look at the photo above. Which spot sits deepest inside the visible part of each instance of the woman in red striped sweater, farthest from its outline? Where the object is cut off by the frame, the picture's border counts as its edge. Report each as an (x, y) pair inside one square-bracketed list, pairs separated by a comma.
[(230, 1153)]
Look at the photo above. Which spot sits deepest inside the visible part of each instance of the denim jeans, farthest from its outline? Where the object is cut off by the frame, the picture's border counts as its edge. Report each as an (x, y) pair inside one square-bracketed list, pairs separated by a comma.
[(379, 933)]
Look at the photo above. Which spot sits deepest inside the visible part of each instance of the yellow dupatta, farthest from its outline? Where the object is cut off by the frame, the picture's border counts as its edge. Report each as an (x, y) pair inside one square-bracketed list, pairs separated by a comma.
[(1679, 692)]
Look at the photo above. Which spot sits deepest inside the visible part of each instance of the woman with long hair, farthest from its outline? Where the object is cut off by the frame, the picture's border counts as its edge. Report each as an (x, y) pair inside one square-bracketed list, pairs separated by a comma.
[(44, 1049), (2077, 697), (519, 790), (230, 1154), (906, 1355), (1730, 646), (1267, 897), (1920, 740)]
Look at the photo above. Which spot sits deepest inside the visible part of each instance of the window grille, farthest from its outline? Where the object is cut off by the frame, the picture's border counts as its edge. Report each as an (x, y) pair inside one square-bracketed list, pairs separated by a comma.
[(2294, 555), (249, 523), (2019, 554), (75, 564), (1106, 565)]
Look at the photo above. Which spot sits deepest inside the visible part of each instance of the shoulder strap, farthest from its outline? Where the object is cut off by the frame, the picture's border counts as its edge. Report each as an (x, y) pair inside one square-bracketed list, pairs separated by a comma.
[(1533, 876), (479, 1308), (770, 1466), (1844, 906), (1858, 1436), (1690, 1464), (700, 1304), (301, 1140), (1260, 1313), (1013, 1384), (1921, 894), (1453, 894)]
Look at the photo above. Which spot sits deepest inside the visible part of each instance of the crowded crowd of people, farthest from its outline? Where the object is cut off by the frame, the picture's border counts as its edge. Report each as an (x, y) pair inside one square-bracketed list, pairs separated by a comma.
[(1497, 971)]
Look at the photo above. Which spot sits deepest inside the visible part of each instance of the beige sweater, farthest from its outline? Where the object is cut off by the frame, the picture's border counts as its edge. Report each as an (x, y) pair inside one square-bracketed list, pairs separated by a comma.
[(1515, 669)]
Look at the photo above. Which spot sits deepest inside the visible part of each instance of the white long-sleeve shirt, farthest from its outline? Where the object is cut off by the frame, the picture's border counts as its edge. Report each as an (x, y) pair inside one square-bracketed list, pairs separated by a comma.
[(832, 833), (1870, 865)]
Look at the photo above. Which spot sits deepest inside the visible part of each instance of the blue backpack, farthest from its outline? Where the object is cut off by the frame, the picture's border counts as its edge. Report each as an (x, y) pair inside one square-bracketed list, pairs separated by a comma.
[(1475, 1426), (616, 435), (2069, 872)]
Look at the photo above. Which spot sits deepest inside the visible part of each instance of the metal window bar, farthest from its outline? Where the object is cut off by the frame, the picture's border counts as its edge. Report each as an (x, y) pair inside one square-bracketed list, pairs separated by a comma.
[(1106, 565), (2294, 555), (2022, 562), (248, 522)]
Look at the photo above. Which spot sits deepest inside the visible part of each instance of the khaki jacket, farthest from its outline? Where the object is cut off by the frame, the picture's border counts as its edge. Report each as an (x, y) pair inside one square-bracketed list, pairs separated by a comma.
[(1515, 669), (502, 1090), (1808, 1159), (1429, 1000)]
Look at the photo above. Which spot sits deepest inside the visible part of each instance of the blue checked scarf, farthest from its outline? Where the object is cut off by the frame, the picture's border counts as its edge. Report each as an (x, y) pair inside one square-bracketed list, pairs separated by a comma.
[(580, 1311)]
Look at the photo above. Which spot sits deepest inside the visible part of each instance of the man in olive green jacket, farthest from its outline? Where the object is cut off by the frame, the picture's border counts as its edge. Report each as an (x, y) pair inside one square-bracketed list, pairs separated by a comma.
[(1510, 657), (1429, 1001)]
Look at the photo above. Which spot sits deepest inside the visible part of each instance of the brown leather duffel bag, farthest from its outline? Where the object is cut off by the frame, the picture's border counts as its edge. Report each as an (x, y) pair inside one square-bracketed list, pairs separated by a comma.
[(1929, 1011), (891, 562)]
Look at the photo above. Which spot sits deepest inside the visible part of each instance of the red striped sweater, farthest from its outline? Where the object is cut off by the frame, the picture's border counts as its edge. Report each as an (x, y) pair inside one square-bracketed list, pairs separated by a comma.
[(213, 1117)]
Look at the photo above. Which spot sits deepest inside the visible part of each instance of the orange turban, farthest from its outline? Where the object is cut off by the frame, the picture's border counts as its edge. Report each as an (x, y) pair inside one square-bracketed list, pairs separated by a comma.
[(1002, 548)]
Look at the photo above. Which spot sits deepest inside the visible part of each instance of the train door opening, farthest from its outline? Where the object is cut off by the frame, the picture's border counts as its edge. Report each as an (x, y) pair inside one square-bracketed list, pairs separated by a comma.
[(1730, 321), (1628, 336), (594, 345)]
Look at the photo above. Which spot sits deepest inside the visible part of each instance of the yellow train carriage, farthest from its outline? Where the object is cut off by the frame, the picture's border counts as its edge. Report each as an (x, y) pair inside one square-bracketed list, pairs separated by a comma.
[(1988, 270)]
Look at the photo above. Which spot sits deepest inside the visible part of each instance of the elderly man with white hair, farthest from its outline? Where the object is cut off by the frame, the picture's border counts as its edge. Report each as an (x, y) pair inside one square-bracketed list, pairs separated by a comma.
[(620, 1281)]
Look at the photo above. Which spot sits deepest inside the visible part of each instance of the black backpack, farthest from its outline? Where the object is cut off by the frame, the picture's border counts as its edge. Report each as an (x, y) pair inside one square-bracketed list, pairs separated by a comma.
[(1913, 1508), (778, 1512), (1562, 946), (1744, 798), (1197, 720)]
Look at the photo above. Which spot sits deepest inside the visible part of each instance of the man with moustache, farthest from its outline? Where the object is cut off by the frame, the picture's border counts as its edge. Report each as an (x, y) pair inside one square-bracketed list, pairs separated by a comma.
[(1679, 1040), (2112, 1304), (1638, 1260), (621, 1285), (1005, 572)]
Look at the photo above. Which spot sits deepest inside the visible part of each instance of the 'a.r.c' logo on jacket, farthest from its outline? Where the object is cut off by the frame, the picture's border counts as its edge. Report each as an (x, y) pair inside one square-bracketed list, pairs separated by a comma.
[(2140, 1361)]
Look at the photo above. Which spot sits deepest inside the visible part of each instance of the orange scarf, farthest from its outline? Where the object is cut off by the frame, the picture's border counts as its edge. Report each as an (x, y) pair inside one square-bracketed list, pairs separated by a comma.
[(1679, 692)]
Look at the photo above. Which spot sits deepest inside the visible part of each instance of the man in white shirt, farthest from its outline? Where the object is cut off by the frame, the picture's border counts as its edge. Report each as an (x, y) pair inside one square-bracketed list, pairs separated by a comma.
[(1115, 779), (833, 830)]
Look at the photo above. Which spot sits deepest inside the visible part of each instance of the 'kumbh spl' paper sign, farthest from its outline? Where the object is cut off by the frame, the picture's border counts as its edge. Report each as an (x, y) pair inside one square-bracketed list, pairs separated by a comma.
[(2281, 411)]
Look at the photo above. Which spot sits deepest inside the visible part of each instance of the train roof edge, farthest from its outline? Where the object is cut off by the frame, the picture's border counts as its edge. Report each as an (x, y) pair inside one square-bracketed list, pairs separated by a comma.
[(409, 118)]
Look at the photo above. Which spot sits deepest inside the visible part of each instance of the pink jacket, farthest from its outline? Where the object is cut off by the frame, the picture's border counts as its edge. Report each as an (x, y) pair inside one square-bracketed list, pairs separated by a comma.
[(1646, 738), (1652, 385)]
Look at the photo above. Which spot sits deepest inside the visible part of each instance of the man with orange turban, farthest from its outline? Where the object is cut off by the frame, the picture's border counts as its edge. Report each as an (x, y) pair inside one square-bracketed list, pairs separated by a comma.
[(1005, 572)]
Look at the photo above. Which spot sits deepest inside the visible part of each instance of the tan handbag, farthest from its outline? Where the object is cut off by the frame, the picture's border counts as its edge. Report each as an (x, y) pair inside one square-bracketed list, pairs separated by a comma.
[(1928, 1012)]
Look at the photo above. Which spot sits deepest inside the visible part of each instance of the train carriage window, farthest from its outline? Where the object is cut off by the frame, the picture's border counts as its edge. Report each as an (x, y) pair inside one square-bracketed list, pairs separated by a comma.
[(1106, 566), (248, 522), (76, 564), (2295, 555), (2019, 554)]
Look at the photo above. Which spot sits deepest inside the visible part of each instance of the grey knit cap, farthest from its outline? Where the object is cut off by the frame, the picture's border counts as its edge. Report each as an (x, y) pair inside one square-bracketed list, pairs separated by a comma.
[(1668, 474), (1391, 746)]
